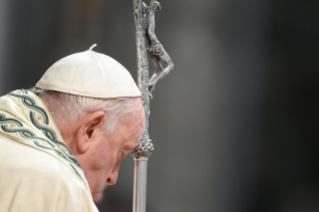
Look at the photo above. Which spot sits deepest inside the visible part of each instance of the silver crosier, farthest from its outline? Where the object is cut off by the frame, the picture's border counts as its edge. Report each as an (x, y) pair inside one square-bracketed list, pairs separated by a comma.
[(148, 46)]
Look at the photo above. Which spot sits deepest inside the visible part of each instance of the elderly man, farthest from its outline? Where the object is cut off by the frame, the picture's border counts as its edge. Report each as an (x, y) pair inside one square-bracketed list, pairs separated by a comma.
[(61, 141)]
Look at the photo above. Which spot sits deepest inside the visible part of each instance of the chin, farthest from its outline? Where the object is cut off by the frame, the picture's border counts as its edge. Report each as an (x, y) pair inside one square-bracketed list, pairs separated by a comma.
[(98, 197)]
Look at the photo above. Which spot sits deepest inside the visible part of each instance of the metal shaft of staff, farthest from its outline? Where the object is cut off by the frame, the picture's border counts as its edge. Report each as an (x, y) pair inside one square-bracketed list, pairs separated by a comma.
[(140, 179)]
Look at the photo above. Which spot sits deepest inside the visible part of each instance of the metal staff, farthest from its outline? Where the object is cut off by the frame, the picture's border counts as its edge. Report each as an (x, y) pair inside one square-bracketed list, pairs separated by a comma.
[(147, 46)]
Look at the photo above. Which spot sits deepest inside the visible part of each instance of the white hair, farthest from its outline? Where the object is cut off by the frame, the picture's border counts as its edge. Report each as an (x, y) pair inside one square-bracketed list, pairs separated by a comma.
[(70, 108)]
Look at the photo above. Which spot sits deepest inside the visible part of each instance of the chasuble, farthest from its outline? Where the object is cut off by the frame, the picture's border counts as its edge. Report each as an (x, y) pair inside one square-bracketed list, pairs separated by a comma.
[(38, 173)]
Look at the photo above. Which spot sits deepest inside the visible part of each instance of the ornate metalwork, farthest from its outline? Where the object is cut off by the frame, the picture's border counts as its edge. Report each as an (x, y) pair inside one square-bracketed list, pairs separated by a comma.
[(148, 46), (145, 147)]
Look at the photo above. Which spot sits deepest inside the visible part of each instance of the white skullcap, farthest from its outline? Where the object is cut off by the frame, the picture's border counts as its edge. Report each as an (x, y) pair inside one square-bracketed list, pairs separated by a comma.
[(89, 74)]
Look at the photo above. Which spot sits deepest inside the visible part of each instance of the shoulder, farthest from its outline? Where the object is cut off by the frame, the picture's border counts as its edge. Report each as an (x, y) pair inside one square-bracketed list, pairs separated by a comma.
[(36, 180), (23, 160)]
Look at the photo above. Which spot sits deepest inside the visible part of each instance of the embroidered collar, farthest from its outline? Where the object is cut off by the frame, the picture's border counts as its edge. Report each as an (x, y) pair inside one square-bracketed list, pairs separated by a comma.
[(25, 118)]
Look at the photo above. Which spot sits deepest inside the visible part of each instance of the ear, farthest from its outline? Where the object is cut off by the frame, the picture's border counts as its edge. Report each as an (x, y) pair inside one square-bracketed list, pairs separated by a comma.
[(90, 128)]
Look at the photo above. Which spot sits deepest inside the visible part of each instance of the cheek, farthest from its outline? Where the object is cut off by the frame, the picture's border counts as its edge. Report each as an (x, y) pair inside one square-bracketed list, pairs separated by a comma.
[(100, 157), (105, 159)]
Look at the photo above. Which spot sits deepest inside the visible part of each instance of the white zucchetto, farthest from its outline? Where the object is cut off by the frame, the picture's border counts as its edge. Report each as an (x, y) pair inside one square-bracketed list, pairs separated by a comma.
[(89, 74)]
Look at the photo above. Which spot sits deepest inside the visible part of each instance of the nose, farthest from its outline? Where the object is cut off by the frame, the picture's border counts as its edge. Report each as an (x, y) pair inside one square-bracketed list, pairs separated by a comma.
[(112, 178)]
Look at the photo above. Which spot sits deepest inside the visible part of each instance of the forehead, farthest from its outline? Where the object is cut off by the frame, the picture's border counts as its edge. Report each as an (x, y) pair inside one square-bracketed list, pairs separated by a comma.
[(130, 137), (132, 128), (139, 114)]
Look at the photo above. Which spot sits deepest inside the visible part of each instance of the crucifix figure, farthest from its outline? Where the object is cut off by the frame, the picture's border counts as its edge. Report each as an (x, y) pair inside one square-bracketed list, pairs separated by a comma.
[(156, 51)]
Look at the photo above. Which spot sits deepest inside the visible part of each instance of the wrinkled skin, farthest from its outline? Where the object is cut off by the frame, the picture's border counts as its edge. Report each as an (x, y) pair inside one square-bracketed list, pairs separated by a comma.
[(100, 155)]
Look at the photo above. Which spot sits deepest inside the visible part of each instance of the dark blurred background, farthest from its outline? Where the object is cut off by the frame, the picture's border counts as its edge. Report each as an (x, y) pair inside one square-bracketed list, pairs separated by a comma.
[(234, 124)]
